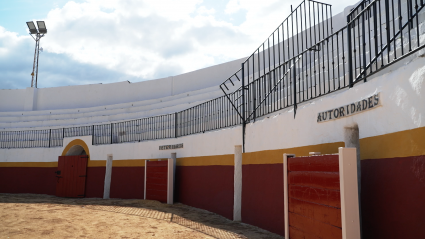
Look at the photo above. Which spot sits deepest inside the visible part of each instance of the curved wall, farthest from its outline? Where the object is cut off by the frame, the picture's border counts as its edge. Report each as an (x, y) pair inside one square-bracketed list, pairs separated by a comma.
[(83, 96)]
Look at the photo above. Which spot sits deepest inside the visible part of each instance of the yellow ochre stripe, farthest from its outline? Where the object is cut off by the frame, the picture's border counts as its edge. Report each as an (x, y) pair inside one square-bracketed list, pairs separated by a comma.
[(276, 156), (399, 144)]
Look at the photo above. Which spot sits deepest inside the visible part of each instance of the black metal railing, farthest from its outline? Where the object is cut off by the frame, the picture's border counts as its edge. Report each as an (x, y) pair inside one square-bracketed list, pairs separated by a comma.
[(292, 66)]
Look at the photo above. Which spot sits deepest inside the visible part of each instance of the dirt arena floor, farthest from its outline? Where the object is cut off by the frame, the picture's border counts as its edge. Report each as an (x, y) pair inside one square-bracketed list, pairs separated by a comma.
[(43, 216)]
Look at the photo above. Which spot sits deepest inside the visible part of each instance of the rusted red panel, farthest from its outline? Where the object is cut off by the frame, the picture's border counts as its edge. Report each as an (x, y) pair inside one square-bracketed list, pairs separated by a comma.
[(295, 233), (308, 227), (323, 163), (316, 195), (321, 213), (329, 180), (156, 180), (158, 163), (72, 178)]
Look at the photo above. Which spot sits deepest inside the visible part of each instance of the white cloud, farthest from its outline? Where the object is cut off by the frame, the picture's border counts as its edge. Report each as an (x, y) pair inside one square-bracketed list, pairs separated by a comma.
[(148, 39)]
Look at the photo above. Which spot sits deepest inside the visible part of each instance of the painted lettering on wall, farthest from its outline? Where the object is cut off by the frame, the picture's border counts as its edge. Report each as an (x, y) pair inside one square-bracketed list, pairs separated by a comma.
[(173, 146), (350, 109)]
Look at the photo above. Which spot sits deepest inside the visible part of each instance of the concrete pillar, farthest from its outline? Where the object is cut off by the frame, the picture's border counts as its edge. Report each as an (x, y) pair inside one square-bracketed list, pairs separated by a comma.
[(174, 157), (352, 140), (237, 196), (170, 181), (108, 175)]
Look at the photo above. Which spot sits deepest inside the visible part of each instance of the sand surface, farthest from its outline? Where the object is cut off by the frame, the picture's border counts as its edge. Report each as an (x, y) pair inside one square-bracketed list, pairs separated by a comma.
[(43, 216)]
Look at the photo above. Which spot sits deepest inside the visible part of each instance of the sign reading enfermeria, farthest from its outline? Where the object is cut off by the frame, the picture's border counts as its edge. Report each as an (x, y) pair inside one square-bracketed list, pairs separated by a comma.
[(350, 109), (173, 146)]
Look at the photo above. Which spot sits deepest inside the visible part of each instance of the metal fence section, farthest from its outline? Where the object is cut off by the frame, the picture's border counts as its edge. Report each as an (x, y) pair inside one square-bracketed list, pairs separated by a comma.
[(301, 60), (381, 33), (24, 139), (211, 115)]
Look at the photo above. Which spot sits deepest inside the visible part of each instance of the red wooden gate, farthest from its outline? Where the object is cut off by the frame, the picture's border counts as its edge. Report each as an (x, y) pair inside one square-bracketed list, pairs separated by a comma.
[(314, 201), (71, 176), (156, 180)]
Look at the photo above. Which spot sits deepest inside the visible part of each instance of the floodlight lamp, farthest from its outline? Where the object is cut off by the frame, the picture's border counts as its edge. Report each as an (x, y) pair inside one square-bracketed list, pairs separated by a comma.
[(41, 27), (31, 27)]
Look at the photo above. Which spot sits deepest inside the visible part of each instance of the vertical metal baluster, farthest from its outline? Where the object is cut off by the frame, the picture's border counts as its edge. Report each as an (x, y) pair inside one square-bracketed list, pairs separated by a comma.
[(417, 22), (400, 23), (410, 23)]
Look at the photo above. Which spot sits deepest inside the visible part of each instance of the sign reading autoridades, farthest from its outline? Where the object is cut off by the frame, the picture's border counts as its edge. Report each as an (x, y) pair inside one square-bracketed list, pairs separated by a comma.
[(173, 146), (350, 109)]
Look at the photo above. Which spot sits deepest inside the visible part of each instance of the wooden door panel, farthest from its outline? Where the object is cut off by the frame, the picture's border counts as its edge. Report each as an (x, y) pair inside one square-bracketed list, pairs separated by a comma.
[(72, 179), (314, 198), (156, 180)]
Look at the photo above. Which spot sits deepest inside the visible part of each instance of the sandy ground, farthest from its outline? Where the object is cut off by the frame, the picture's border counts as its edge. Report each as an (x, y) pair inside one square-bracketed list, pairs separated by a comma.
[(43, 216)]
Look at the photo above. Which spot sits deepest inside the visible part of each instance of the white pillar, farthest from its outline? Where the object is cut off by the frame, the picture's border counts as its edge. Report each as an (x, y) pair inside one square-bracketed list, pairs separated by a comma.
[(174, 157), (108, 175), (350, 219), (237, 196), (170, 182)]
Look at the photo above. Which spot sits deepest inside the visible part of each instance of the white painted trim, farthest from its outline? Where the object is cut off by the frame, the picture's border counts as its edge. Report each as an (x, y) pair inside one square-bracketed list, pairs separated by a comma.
[(350, 219), (146, 166), (237, 193), (170, 181), (285, 192)]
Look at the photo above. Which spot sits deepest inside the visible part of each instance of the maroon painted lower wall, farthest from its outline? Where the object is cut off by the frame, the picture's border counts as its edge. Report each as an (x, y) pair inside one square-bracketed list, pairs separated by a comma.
[(262, 196), (127, 182), (95, 182), (393, 198), (36, 180), (206, 187)]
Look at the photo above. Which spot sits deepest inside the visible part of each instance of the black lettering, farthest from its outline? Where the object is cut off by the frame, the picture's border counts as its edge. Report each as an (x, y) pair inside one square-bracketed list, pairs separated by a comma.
[(319, 118), (341, 112), (376, 99), (359, 106), (369, 100), (364, 103), (348, 112), (324, 116), (336, 113), (353, 108), (330, 114)]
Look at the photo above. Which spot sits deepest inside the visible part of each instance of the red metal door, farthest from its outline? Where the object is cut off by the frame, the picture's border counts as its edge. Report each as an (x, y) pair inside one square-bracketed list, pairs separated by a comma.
[(71, 176), (314, 200), (156, 180)]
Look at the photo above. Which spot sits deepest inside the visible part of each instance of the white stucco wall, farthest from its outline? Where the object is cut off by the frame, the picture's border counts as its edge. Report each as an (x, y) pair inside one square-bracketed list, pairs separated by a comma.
[(401, 88)]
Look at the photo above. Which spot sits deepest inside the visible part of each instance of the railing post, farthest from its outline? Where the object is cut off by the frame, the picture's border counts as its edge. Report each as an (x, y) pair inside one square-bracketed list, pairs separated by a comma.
[(294, 85), (111, 132), (175, 124), (364, 43), (92, 135), (50, 136), (243, 109), (350, 54)]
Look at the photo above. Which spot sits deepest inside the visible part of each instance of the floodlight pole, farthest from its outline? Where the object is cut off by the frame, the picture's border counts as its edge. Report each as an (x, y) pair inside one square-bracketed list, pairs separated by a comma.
[(37, 38)]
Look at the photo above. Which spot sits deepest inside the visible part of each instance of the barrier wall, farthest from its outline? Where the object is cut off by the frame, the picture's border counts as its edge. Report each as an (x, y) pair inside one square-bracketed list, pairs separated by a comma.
[(207, 183), (392, 150)]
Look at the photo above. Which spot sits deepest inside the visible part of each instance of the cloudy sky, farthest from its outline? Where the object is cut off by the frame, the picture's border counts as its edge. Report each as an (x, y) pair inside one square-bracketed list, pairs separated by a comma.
[(103, 41)]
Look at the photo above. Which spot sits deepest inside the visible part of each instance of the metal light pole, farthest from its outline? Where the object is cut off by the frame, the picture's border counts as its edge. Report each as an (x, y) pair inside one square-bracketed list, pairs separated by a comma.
[(38, 35)]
